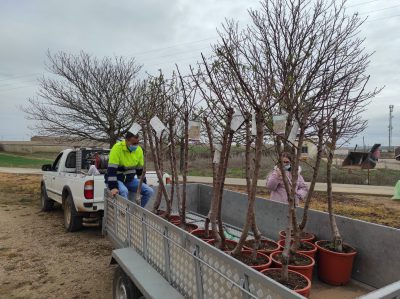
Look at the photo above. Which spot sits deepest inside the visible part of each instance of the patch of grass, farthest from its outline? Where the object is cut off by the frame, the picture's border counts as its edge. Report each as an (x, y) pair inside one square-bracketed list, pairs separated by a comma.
[(20, 160), (19, 189)]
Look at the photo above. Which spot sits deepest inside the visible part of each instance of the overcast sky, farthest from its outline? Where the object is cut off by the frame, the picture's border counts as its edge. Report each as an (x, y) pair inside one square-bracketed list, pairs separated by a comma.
[(159, 34)]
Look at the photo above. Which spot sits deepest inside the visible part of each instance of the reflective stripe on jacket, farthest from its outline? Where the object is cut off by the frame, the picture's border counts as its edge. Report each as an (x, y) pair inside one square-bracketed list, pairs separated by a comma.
[(123, 164)]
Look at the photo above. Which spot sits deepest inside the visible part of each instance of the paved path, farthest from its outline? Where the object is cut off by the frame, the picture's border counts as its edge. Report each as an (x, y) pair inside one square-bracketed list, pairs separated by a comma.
[(20, 170), (337, 188)]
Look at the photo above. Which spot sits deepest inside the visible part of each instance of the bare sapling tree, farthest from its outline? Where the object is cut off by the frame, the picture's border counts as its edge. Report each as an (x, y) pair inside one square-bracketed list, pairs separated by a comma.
[(310, 48), (186, 111), (85, 97), (157, 98), (216, 95), (346, 123), (248, 81)]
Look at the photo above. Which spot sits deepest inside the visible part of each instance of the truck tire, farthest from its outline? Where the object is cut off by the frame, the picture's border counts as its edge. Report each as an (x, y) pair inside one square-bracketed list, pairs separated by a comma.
[(123, 288), (72, 221), (46, 203)]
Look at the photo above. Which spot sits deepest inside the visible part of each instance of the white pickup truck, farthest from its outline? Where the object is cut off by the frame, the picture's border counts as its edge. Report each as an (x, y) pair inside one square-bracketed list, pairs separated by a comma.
[(69, 182)]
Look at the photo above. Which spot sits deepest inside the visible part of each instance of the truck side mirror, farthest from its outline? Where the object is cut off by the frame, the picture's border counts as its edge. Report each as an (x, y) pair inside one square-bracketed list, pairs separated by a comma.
[(47, 167)]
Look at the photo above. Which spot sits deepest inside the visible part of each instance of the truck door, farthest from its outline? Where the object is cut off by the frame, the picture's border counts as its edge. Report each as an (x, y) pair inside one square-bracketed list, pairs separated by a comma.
[(50, 177), (65, 168)]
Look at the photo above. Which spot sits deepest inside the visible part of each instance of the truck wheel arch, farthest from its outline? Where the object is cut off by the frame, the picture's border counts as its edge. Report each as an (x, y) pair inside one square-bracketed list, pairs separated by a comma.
[(66, 191)]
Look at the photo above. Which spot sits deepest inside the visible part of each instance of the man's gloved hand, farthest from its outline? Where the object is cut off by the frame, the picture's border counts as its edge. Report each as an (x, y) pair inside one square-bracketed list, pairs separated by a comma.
[(114, 191)]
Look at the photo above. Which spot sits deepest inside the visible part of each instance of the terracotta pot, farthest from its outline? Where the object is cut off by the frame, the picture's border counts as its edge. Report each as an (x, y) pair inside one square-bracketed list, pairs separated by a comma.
[(175, 219), (160, 212), (234, 243), (309, 236), (304, 291), (259, 267), (306, 270), (189, 227), (199, 232), (310, 253), (267, 252), (334, 268)]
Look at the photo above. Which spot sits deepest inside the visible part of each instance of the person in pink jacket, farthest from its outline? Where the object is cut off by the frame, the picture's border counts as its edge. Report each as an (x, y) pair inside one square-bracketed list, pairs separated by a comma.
[(276, 185)]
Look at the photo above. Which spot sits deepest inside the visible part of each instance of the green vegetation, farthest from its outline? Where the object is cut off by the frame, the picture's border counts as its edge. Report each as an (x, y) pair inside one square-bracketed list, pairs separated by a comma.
[(24, 160)]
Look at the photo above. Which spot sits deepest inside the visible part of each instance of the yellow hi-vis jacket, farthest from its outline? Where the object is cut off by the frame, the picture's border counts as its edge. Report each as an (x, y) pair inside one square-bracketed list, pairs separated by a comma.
[(123, 164)]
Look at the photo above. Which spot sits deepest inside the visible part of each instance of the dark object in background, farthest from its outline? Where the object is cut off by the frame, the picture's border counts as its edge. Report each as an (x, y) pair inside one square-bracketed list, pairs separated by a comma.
[(397, 153), (363, 160)]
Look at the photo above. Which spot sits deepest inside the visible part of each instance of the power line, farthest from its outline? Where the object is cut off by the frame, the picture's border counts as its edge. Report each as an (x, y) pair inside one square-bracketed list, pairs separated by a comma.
[(173, 46), (375, 10), (8, 84), (362, 3), (13, 78), (384, 18), (23, 86)]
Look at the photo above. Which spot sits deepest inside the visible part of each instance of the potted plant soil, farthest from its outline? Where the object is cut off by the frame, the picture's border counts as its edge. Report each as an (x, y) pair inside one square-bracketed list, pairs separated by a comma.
[(201, 234), (265, 246), (296, 282), (298, 262), (189, 227), (229, 245), (175, 219), (309, 237), (305, 247), (259, 262)]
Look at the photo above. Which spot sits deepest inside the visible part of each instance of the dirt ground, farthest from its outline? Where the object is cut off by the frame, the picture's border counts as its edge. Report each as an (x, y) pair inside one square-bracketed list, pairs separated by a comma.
[(38, 259)]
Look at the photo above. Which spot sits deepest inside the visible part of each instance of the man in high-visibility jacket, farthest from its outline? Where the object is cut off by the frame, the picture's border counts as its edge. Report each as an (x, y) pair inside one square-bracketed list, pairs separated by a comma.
[(126, 160)]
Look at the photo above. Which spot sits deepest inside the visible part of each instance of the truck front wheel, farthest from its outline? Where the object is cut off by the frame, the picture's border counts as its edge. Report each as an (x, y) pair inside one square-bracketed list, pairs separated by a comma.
[(46, 203), (123, 288), (72, 221)]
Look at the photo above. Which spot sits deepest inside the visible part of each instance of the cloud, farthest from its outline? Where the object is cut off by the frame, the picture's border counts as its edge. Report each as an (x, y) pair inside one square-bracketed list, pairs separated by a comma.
[(159, 34)]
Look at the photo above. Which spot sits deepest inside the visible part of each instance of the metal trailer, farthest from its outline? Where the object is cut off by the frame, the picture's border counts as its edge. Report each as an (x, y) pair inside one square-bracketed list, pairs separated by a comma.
[(157, 259)]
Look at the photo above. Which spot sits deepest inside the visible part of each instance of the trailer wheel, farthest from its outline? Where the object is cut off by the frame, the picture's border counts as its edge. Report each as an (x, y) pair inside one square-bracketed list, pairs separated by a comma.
[(47, 204), (72, 221), (123, 288)]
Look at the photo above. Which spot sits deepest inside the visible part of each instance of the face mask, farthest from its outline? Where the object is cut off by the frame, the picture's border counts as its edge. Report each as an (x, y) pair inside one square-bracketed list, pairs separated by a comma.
[(287, 167), (132, 148)]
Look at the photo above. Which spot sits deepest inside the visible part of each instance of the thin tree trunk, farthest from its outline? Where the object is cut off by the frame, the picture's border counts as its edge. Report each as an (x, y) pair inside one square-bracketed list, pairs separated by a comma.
[(337, 239), (212, 150), (139, 189), (219, 181), (185, 166), (314, 178), (250, 217), (221, 189), (161, 184), (174, 168)]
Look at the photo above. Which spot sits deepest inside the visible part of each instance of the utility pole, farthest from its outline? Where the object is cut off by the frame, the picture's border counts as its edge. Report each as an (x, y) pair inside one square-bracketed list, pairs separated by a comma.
[(390, 126)]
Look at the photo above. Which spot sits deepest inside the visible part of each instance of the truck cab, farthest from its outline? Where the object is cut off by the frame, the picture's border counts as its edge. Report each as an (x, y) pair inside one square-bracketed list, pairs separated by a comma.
[(71, 182)]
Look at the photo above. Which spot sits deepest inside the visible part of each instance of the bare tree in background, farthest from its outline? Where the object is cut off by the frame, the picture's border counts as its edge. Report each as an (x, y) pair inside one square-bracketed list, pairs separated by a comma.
[(85, 97)]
